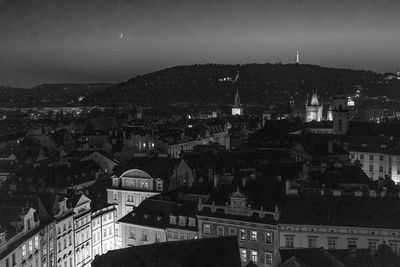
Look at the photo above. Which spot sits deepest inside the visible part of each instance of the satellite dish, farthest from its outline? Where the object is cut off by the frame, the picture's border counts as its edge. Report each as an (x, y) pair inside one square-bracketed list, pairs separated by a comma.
[(121, 35)]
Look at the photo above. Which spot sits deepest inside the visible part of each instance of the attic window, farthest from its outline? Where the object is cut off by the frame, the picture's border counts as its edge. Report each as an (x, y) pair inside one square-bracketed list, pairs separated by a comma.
[(192, 222), (146, 216), (364, 145), (172, 219), (383, 146)]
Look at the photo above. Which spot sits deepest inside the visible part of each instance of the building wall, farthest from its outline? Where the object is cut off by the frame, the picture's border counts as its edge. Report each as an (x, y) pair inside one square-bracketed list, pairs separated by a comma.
[(65, 242), (377, 165), (305, 236), (262, 242), (83, 240), (174, 234), (137, 235), (28, 253)]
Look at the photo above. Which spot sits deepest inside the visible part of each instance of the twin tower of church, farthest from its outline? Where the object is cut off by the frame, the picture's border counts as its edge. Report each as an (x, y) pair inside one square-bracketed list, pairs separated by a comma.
[(338, 112)]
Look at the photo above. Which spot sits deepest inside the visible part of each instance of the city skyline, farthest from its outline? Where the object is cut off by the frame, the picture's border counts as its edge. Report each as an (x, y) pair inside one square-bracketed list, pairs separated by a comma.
[(112, 41)]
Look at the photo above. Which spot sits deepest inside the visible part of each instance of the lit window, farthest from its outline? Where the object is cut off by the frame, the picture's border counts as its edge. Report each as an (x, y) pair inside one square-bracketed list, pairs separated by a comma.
[(207, 229), (30, 246), (242, 234), (254, 256), (243, 254), (268, 237), (268, 258), (36, 242), (253, 236), (23, 251)]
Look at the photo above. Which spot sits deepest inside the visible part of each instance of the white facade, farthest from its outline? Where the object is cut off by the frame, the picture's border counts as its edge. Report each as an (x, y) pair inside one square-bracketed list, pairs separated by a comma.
[(103, 230), (83, 232), (129, 190), (65, 236)]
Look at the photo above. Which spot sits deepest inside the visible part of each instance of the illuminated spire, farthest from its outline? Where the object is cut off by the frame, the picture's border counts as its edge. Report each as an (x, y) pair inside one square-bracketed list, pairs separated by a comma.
[(297, 57), (237, 98)]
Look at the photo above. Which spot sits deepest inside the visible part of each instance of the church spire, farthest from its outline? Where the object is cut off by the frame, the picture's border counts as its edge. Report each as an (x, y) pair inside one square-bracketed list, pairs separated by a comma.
[(237, 98), (297, 57)]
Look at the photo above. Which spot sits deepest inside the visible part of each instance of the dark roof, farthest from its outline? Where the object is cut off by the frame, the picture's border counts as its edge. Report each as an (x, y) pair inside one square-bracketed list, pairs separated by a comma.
[(356, 258), (222, 251), (320, 124), (232, 159), (318, 147), (155, 212), (376, 212), (312, 257), (103, 123)]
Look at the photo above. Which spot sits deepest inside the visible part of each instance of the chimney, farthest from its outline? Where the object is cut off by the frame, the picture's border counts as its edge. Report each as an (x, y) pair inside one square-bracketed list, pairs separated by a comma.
[(244, 180), (216, 180), (330, 147)]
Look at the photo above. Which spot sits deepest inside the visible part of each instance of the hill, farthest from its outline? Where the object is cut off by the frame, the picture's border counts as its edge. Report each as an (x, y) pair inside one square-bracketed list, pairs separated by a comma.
[(258, 84)]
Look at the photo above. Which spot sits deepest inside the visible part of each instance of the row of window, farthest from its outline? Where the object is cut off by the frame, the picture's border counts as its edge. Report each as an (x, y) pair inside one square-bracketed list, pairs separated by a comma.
[(104, 218), (64, 226), (31, 244), (244, 234), (371, 157), (82, 236), (179, 235), (312, 242), (254, 256), (64, 241), (83, 254), (144, 236), (82, 221)]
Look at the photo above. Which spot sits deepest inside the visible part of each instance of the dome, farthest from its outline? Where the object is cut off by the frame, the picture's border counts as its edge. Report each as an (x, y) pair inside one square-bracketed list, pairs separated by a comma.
[(135, 173)]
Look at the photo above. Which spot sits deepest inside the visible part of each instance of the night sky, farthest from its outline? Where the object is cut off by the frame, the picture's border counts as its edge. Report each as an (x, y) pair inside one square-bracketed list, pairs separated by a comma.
[(53, 41)]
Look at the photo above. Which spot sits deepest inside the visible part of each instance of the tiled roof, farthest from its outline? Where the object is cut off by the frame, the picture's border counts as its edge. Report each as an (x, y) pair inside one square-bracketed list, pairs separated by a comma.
[(312, 257), (222, 251), (154, 212), (356, 258)]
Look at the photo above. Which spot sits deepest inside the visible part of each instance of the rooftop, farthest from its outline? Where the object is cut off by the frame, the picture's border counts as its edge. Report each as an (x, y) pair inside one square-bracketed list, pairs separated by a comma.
[(221, 251)]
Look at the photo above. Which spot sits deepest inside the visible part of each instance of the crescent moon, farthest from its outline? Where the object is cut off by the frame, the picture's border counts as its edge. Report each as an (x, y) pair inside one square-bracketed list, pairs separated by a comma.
[(121, 35)]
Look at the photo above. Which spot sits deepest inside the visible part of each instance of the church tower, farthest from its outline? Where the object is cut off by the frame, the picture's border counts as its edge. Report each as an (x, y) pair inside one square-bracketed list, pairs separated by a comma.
[(314, 108), (297, 57), (237, 109), (340, 113)]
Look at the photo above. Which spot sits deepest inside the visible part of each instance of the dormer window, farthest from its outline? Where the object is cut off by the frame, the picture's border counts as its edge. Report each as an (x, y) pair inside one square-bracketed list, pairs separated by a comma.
[(182, 220), (364, 145), (146, 216), (383, 146), (192, 222), (172, 219)]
